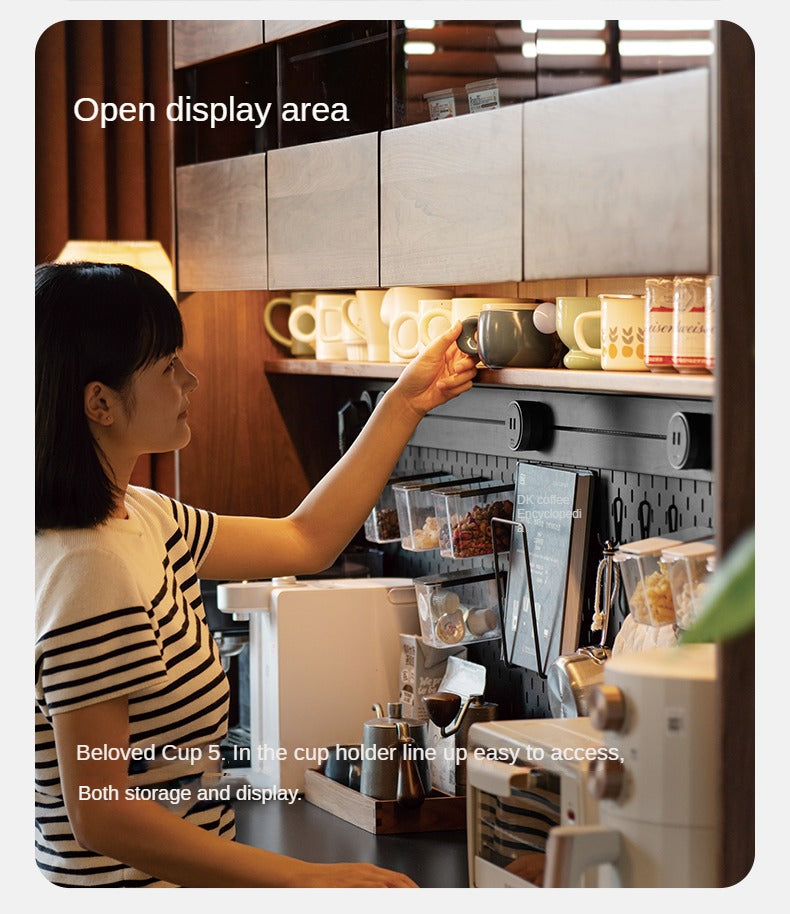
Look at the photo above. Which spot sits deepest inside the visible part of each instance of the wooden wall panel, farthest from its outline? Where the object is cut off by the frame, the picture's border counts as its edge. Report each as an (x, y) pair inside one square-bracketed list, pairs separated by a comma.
[(106, 184), (241, 459)]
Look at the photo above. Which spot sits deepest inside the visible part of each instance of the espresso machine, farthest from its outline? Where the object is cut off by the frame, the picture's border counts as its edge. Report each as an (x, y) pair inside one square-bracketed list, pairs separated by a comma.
[(658, 813)]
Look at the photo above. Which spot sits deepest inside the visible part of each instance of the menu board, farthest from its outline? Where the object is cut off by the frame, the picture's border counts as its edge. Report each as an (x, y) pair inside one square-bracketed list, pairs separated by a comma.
[(554, 505)]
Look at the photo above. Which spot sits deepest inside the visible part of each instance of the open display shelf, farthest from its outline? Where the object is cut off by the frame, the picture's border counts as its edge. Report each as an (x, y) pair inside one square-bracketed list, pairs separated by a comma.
[(694, 386)]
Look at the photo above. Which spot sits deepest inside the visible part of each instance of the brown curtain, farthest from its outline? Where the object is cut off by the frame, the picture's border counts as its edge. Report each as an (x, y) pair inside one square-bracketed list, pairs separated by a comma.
[(104, 184)]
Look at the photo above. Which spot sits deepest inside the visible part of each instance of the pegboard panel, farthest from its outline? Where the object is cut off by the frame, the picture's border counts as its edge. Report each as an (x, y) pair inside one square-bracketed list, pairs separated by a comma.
[(644, 505)]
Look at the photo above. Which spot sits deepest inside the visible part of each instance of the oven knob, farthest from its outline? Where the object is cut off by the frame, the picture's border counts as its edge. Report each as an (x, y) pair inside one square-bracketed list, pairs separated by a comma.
[(605, 779), (607, 707)]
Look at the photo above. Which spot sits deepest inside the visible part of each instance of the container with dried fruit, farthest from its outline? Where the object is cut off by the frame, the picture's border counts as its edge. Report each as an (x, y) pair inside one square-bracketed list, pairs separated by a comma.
[(381, 525), (458, 607), (687, 567), (419, 529), (464, 515)]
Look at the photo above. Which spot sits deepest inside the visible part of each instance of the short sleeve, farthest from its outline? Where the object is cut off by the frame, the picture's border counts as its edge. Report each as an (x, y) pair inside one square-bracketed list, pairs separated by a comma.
[(95, 640), (197, 526)]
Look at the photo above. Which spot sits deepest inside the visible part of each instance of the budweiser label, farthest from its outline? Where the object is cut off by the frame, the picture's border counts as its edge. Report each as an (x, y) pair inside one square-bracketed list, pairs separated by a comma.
[(659, 323), (688, 339)]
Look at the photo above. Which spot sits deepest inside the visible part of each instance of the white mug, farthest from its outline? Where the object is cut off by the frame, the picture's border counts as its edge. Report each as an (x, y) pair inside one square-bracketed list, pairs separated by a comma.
[(361, 315), (294, 300), (327, 327), (431, 320), (405, 298)]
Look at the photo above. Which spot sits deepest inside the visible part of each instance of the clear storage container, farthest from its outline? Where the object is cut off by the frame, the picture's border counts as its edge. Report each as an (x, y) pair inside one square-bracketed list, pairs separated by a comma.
[(645, 577), (419, 527), (645, 581), (458, 607), (464, 516), (381, 525), (688, 567)]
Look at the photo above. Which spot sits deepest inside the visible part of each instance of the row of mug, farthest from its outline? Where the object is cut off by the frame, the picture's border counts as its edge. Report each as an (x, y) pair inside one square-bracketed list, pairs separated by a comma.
[(394, 325), (372, 325)]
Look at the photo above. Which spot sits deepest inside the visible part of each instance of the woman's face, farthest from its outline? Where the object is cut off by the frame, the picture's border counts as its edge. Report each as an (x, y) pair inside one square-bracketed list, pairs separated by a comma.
[(157, 401)]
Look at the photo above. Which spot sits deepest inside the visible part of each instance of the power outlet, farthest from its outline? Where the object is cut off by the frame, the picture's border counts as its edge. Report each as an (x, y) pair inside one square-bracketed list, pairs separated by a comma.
[(689, 441), (528, 425)]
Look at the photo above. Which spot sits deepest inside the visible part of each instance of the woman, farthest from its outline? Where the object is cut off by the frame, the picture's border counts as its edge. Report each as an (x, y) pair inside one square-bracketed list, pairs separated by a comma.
[(131, 700)]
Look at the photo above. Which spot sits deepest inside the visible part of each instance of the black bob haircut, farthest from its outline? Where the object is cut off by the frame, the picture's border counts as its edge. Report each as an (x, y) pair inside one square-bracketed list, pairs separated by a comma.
[(94, 322)]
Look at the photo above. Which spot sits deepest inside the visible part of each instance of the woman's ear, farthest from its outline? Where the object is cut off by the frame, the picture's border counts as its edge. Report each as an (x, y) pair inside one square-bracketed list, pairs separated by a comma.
[(99, 403)]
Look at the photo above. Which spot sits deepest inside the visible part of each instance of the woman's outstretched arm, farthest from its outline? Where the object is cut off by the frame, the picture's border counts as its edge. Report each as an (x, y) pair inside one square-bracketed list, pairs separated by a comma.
[(311, 537)]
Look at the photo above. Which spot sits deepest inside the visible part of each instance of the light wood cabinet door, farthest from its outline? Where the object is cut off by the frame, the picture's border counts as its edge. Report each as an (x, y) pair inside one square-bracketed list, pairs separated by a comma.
[(451, 200), (221, 224), (617, 180), (195, 41), (282, 28), (323, 214)]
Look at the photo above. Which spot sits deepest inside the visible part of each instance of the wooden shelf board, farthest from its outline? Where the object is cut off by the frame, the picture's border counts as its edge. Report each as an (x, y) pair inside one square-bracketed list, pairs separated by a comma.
[(645, 383)]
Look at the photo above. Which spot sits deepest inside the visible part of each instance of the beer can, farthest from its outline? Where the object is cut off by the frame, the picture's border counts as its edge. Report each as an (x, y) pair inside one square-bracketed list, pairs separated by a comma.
[(659, 323), (688, 337)]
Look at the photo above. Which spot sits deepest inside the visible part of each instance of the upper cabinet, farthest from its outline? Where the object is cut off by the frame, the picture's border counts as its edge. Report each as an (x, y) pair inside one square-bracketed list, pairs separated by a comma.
[(221, 224), (530, 170), (617, 180), (273, 29), (451, 200), (323, 214), (195, 41)]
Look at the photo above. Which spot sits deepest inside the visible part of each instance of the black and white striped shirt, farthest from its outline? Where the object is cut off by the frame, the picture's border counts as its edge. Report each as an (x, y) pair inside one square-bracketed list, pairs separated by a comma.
[(119, 612)]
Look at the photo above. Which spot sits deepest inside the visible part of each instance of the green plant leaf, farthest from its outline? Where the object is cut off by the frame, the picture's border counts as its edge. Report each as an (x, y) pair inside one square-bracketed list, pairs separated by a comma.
[(728, 604)]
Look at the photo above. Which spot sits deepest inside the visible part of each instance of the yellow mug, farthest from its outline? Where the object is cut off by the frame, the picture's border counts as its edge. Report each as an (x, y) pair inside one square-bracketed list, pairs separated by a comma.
[(622, 332)]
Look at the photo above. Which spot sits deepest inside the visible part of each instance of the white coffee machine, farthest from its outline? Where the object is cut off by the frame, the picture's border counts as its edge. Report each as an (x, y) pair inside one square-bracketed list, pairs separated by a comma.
[(658, 812)]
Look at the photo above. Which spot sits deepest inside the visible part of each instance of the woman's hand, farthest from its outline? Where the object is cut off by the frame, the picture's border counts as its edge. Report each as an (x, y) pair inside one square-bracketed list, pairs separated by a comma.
[(349, 876), (437, 375)]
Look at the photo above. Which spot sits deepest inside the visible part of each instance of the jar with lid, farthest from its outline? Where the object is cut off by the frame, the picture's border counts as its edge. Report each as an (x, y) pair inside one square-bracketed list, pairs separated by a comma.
[(688, 570), (688, 338)]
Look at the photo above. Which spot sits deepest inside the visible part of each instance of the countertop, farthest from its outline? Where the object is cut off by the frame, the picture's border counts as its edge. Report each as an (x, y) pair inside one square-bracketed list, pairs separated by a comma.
[(431, 859)]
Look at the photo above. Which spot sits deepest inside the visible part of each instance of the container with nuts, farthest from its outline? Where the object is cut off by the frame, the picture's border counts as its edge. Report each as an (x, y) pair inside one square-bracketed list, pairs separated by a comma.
[(419, 528), (458, 607), (465, 514), (381, 525)]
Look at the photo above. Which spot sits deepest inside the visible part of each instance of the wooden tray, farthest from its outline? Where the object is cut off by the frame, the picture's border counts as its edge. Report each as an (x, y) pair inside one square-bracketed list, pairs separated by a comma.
[(439, 812)]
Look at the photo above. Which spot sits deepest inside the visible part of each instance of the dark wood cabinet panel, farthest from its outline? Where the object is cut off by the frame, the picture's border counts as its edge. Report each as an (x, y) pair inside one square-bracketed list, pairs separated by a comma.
[(198, 40), (242, 459)]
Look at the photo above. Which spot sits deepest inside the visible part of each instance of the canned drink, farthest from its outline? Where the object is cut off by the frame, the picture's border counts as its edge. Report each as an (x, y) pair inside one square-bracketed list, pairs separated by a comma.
[(659, 323), (688, 337), (711, 307)]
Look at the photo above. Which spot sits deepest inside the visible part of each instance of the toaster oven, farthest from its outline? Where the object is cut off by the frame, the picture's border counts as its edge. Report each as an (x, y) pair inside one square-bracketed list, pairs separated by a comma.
[(524, 777)]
